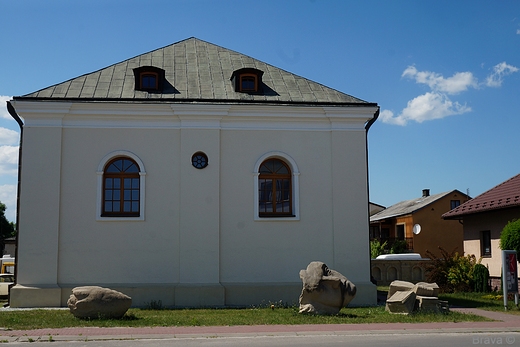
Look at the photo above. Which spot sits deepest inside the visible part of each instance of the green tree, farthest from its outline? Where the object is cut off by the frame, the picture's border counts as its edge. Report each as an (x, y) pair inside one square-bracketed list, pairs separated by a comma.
[(399, 246), (7, 229), (510, 236), (377, 248), (480, 278)]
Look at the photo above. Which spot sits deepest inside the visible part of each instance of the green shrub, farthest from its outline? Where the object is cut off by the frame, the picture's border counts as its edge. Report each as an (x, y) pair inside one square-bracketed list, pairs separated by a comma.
[(437, 269), (480, 278), (452, 272), (510, 236), (399, 246), (377, 248), (460, 274)]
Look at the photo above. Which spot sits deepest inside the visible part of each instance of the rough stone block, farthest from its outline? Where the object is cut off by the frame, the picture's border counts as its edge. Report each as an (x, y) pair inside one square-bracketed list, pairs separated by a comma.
[(427, 303), (325, 291), (399, 286), (402, 302), (97, 302), (426, 289), (444, 306)]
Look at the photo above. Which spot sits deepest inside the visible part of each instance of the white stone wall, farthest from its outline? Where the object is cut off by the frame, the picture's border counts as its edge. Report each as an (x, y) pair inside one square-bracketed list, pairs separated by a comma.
[(199, 242)]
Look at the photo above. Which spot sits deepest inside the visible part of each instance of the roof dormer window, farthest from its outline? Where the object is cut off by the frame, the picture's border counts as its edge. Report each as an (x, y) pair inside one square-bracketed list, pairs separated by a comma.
[(149, 78), (247, 80)]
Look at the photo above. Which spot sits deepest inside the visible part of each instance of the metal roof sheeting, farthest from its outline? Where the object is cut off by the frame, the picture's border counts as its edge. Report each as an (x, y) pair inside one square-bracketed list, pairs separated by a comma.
[(194, 70), (407, 207)]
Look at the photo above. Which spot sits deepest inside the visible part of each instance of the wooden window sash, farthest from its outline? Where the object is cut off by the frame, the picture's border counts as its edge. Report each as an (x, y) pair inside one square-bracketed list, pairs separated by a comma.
[(274, 178), (247, 76), (145, 74), (121, 176)]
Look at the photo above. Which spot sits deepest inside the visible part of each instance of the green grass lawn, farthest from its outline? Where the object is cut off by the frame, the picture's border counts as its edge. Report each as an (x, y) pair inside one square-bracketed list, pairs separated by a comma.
[(36, 319), (487, 301)]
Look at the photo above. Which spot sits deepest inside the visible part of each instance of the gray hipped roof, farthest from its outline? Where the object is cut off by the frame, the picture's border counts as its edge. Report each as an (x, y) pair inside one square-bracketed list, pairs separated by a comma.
[(195, 70), (407, 207)]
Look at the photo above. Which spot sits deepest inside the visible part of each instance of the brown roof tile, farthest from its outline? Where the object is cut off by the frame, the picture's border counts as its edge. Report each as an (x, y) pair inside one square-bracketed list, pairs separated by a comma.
[(504, 195)]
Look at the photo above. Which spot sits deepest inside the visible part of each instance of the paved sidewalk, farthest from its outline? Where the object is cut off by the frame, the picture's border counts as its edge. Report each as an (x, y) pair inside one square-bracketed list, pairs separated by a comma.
[(503, 323)]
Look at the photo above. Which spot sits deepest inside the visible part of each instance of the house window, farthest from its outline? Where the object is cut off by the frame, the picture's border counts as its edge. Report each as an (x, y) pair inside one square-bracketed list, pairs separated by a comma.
[(399, 232), (485, 243), (149, 78), (385, 234), (263, 177), (374, 232), (121, 188), (454, 204), (149, 81), (199, 160), (247, 80), (248, 83), (274, 189)]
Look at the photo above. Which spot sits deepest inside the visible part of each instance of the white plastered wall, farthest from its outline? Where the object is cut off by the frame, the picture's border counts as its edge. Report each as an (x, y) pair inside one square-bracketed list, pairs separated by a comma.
[(199, 235)]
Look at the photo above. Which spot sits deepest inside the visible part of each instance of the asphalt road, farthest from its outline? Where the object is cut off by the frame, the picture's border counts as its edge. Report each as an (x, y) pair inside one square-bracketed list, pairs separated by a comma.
[(375, 340)]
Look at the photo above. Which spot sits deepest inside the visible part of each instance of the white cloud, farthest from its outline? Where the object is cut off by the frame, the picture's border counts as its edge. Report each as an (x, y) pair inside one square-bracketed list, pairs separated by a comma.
[(436, 104), (8, 197), (9, 137), (459, 82), (425, 107), (387, 116), (3, 107), (518, 31), (501, 70), (9, 160)]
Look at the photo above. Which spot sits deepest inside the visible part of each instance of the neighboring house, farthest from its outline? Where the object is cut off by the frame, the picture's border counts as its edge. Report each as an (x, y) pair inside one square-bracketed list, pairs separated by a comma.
[(419, 223), (9, 246), (483, 219), (375, 208), (193, 175)]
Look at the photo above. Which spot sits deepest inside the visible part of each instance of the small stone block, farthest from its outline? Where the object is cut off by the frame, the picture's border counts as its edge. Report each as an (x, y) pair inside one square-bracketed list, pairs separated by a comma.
[(427, 303), (444, 306), (401, 302), (399, 286), (426, 289)]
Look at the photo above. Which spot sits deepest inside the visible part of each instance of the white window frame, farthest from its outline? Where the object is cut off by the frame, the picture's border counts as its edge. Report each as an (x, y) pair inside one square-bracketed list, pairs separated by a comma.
[(100, 172), (294, 181)]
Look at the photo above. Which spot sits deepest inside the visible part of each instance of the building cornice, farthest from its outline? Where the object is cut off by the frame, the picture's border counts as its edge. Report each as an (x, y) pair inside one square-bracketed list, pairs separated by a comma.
[(193, 115)]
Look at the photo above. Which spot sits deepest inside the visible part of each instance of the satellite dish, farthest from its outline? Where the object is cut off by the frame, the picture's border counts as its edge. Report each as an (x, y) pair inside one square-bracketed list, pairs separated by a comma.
[(416, 229)]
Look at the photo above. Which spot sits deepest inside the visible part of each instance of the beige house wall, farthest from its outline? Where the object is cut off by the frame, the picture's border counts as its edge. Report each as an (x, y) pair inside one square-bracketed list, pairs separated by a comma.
[(199, 242), (494, 221)]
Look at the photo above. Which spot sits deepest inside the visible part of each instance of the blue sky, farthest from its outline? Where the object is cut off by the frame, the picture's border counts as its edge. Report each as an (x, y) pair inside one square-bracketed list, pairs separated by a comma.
[(446, 74)]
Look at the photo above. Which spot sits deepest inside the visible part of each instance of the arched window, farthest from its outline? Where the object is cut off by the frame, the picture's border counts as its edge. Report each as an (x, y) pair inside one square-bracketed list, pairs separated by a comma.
[(121, 188), (274, 189)]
